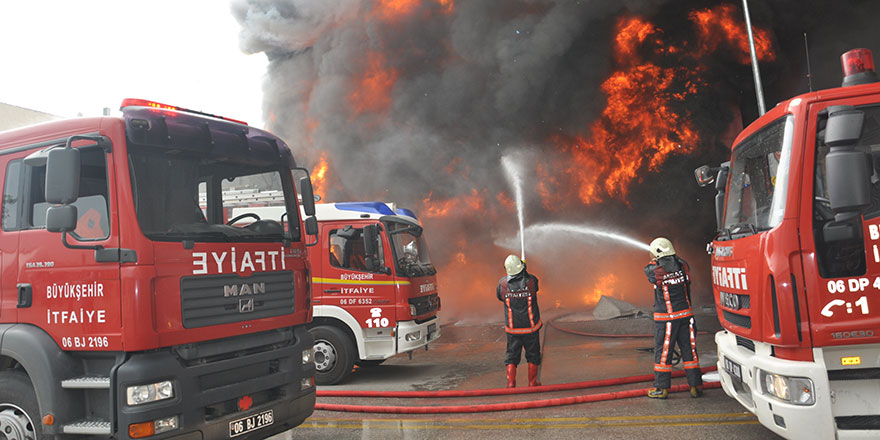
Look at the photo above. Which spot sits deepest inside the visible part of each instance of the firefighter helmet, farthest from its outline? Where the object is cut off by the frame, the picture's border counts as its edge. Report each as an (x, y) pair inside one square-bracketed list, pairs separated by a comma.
[(513, 265), (661, 247)]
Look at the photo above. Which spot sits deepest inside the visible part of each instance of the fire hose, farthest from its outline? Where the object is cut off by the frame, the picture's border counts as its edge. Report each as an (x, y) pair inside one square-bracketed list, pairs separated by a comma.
[(501, 391), (508, 406)]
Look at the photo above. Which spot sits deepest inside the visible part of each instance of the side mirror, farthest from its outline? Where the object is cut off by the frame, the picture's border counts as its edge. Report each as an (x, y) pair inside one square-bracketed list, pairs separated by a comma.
[(704, 176), (371, 240), (844, 125), (847, 170), (61, 218), (311, 225), (308, 196), (62, 176)]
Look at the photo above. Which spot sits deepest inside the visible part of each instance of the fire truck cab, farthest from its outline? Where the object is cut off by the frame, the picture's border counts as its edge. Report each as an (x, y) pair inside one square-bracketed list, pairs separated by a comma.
[(376, 292), (129, 311), (796, 266)]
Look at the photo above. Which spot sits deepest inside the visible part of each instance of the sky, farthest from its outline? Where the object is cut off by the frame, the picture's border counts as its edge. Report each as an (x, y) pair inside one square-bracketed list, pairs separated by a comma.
[(77, 57)]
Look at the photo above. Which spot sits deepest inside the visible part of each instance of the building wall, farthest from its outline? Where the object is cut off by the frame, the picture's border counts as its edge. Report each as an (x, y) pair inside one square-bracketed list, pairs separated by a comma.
[(13, 117)]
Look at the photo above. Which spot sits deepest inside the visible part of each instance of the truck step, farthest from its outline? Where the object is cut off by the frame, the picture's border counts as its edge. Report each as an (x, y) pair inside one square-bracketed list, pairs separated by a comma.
[(87, 383), (88, 427)]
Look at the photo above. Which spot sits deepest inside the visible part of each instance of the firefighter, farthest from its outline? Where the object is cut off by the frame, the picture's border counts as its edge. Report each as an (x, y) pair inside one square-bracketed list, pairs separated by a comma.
[(673, 318), (522, 318)]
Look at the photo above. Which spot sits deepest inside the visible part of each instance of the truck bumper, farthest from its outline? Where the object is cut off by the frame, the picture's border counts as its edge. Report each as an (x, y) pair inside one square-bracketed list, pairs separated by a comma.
[(221, 382), (785, 419), (412, 335)]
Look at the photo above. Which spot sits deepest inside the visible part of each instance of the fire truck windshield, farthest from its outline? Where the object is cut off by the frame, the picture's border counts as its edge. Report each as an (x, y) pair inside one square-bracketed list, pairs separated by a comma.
[(758, 180), (205, 198), (410, 249)]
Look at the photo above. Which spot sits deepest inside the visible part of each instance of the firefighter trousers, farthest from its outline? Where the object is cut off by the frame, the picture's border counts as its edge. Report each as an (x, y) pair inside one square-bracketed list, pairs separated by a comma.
[(530, 342), (666, 334)]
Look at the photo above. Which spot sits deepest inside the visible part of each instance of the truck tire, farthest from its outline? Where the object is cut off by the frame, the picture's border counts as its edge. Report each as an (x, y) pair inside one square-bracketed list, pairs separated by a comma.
[(334, 355), (19, 412)]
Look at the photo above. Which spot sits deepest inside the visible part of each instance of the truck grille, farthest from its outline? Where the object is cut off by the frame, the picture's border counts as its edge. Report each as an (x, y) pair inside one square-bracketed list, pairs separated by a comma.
[(738, 320), (745, 343), (858, 422), (425, 304), (221, 299)]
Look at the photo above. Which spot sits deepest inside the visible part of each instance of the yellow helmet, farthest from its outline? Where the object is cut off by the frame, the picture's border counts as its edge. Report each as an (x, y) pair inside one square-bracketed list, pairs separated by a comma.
[(513, 265), (661, 247)]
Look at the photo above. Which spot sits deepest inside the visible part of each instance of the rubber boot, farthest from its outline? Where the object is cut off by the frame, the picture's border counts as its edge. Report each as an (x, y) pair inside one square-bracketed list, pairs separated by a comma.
[(658, 393), (511, 376), (696, 392), (533, 375)]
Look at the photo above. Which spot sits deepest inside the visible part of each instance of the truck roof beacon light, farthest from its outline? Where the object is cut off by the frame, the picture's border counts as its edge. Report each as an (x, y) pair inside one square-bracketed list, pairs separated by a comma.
[(133, 102), (858, 67)]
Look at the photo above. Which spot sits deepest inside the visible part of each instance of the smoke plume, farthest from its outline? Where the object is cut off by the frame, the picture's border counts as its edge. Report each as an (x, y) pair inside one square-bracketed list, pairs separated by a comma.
[(611, 104)]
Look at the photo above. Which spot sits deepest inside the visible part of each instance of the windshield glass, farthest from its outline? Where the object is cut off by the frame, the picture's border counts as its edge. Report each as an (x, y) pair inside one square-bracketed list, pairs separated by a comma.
[(410, 249), (759, 178), (187, 195)]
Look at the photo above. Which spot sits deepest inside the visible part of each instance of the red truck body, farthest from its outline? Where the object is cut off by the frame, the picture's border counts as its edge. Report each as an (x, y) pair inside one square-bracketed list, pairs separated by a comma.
[(796, 271), (147, 325)]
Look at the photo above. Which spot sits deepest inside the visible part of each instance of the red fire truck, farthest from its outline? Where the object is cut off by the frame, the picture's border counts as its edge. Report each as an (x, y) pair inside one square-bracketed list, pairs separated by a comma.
[(375, 287), (126, 311), (796, 266)]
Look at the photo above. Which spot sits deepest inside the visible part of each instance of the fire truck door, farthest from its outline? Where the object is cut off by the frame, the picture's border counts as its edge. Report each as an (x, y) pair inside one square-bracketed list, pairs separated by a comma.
[(72, 295), (367, 295)]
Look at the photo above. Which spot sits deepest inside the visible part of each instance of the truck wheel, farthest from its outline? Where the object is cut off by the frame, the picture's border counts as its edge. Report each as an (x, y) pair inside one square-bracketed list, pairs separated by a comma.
[(18, 408), (334, 355)]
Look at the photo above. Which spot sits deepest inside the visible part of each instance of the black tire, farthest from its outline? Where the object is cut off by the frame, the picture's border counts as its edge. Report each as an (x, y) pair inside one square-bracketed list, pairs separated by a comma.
[(19, 412), (367, 363), (334, 355)]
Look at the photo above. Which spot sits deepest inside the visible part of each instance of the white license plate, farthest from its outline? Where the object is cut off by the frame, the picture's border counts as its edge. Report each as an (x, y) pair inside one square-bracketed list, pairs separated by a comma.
[(251, 423), (733, 368)]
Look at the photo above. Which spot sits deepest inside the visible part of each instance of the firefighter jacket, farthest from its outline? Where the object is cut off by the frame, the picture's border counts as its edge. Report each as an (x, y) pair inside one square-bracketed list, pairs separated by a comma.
[(519, 293), (670, 276)]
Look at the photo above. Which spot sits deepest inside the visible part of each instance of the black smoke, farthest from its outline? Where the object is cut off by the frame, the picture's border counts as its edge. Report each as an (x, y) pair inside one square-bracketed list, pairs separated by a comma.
[(477, 79)]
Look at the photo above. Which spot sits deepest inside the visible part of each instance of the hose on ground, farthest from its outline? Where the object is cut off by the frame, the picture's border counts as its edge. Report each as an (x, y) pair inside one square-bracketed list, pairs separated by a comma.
[(457, 409), (502, 391), (552, 323)]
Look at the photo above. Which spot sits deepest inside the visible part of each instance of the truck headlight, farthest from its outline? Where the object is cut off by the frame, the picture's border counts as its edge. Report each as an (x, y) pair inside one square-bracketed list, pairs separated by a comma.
[(309, 355), (796, 390), (153, 392), (414, 336)]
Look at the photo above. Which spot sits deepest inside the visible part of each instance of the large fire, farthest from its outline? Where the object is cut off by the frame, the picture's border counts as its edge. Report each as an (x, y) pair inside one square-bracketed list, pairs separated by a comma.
[(644, 122)]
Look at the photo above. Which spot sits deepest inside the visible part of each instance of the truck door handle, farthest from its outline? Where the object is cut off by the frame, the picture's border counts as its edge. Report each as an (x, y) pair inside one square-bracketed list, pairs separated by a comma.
[(25, 296), (332, 290)]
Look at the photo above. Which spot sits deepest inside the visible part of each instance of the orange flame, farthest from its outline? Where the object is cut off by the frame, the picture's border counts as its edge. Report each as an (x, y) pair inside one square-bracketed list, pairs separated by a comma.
[(372, 92), (604, 286), (722, 24), (319, 176)]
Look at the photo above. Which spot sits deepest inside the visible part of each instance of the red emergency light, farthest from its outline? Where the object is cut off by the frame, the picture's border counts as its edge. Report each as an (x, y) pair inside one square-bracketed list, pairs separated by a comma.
[(858, 67), (133, 102)]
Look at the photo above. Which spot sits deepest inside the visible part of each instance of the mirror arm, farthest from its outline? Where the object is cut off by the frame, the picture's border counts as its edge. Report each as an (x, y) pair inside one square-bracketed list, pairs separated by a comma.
[(312, 244), (77, 246)]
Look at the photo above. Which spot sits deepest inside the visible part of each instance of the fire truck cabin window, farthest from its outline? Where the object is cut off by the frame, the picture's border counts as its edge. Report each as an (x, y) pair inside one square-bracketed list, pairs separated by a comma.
[(12, 196), (93, 220), (347, 249), (759, 178)]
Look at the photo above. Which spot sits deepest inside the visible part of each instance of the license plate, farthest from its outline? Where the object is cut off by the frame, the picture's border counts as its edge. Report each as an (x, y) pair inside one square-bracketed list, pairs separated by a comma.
[(251, 423), (730, 300), (733, 368)]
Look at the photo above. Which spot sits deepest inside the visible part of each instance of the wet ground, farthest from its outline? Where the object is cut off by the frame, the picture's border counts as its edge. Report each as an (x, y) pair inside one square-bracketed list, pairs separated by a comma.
[(471, 357)]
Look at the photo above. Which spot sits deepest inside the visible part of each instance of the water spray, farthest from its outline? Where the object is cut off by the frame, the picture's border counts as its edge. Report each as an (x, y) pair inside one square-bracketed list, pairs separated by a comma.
[(565, 228), (514, 176)]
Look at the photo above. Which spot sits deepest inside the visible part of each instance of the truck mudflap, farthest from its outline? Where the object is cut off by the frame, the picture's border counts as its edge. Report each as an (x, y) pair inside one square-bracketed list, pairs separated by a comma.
[(416, 334), (244, 387), (740, 362)]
